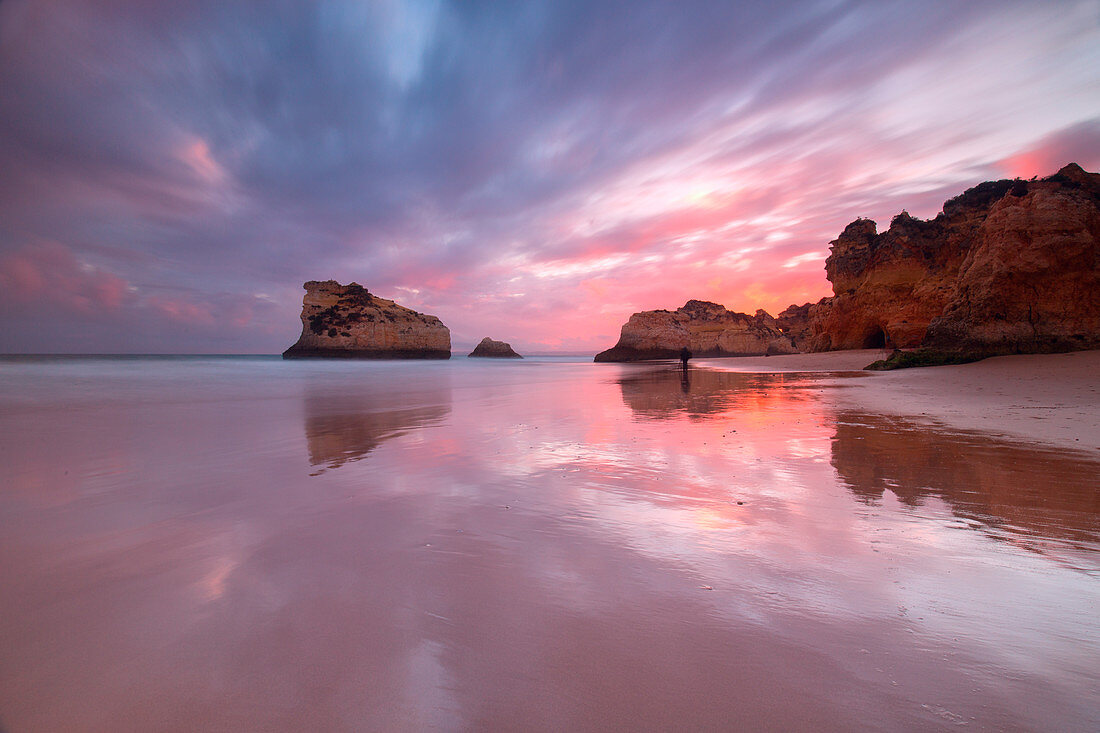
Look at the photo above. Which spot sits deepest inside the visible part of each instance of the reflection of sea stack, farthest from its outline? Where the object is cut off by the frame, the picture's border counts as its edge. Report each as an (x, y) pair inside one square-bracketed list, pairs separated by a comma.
[(341, 428), (664, 393), (347, 321), (494, 350)]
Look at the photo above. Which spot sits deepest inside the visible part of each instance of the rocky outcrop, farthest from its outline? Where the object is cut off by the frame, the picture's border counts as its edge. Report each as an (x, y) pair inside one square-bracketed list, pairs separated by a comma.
[(346, 321), (706, 329), (494, 350), (1031, 282), (794, 323), (1007, 267)]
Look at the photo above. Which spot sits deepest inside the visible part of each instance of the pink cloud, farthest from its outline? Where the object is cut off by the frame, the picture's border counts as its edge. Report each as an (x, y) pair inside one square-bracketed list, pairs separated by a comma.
[(182, 311), (50, 274)]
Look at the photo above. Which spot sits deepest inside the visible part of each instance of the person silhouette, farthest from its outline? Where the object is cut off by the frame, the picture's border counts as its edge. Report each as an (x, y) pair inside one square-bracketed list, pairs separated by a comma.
[(684, 356)]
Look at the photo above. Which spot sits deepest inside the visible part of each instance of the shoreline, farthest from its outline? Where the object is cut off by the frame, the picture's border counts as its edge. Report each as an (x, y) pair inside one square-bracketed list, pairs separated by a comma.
[(1051, 399)]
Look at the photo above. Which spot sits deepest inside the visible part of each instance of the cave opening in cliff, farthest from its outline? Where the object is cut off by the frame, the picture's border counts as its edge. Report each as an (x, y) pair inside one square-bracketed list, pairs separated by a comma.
[(875, 340)]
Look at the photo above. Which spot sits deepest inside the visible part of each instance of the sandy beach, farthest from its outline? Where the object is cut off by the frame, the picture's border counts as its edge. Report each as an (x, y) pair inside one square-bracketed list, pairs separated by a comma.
[(547, 544), (1050, 399)]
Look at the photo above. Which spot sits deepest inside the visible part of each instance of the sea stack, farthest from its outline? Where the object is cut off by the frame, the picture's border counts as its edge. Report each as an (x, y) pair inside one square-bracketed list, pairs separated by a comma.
[(490, 349), (706, 329), (346, 321)]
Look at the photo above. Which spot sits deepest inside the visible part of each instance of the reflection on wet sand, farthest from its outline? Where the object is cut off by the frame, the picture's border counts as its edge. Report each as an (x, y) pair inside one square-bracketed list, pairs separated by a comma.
[(545, 548), (1006, 487), (342, 427), (663, 392)]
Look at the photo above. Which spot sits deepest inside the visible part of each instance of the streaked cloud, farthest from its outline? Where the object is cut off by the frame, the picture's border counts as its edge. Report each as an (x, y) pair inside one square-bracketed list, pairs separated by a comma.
[(534, 172)]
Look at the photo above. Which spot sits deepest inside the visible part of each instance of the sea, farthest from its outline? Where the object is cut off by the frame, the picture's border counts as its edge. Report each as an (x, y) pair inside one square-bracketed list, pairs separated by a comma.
[(547, 544)]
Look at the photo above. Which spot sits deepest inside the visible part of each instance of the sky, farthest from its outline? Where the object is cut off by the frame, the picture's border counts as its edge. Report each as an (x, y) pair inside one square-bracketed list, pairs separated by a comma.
[(171, 173)]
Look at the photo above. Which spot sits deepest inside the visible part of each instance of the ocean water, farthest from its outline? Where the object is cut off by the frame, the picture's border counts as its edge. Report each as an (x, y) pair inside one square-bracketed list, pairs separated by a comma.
[(548, 544)]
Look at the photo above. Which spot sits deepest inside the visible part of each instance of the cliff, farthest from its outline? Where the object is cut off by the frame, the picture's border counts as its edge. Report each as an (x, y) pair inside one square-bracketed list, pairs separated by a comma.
[(346, 321), (707, 329), (1031, 282), (1009, 266), (494, 350)]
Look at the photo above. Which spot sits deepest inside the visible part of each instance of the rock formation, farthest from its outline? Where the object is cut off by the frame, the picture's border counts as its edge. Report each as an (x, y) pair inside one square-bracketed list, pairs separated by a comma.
[(347, 321), (707, 329), (794, 322), (1031, 282), (494, 350), (1009, 266)]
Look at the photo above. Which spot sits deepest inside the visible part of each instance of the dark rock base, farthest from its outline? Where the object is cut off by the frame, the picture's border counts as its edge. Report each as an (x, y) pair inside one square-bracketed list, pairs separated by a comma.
[(293, 353), (617, 354)]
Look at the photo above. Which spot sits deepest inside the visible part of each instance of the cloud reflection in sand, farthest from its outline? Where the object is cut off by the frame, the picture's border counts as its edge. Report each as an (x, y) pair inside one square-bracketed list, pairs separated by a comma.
[(545, 546)]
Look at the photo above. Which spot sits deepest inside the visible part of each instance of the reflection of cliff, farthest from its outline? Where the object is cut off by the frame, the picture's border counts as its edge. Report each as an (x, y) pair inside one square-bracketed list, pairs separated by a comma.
[(342, 428), (664, 392), (1021, 490)]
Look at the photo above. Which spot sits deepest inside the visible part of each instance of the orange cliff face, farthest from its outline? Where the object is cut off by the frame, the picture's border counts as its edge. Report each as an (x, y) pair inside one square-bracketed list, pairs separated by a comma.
[(1007, 267), (347, 321), (1031, 283)]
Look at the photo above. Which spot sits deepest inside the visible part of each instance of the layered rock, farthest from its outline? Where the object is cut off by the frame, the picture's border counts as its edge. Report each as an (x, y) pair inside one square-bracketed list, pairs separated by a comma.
[(706, 329), (1006, 267), (794, 323), (349, 322), (1031, 282), (494, 350)]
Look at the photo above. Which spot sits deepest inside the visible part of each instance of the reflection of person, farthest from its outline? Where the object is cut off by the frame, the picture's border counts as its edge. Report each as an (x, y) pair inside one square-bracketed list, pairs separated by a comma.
[(684, 356)]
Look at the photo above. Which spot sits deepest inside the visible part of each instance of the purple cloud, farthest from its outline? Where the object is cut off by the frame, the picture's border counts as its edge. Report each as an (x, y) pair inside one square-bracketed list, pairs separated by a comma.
[(483, 161)]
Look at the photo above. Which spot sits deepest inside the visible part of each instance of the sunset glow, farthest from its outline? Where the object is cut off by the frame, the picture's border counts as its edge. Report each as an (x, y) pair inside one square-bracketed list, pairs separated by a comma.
[(533, 173)]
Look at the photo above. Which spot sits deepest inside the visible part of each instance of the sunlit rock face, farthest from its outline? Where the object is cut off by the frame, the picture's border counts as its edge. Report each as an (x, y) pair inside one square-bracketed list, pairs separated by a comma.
[(706, 329), (1031, 282), (347, 321), (491, 349), (1006, 267)]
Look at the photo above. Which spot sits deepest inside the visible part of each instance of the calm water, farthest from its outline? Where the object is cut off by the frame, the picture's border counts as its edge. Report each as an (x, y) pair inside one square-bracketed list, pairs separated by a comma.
[(245, 544)]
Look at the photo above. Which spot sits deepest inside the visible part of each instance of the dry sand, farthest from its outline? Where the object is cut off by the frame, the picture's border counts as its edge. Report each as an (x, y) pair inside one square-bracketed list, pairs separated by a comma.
[(1053, 399)]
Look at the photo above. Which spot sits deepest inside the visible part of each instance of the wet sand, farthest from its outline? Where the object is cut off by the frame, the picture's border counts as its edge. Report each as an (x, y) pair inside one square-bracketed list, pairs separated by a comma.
[(1050, 399), (239, 545)]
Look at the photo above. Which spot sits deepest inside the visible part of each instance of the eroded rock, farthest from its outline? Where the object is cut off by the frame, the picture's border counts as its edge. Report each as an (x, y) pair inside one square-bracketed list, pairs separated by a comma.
[(706, 329), (491, 349), (1009, 266), (346, 321)]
